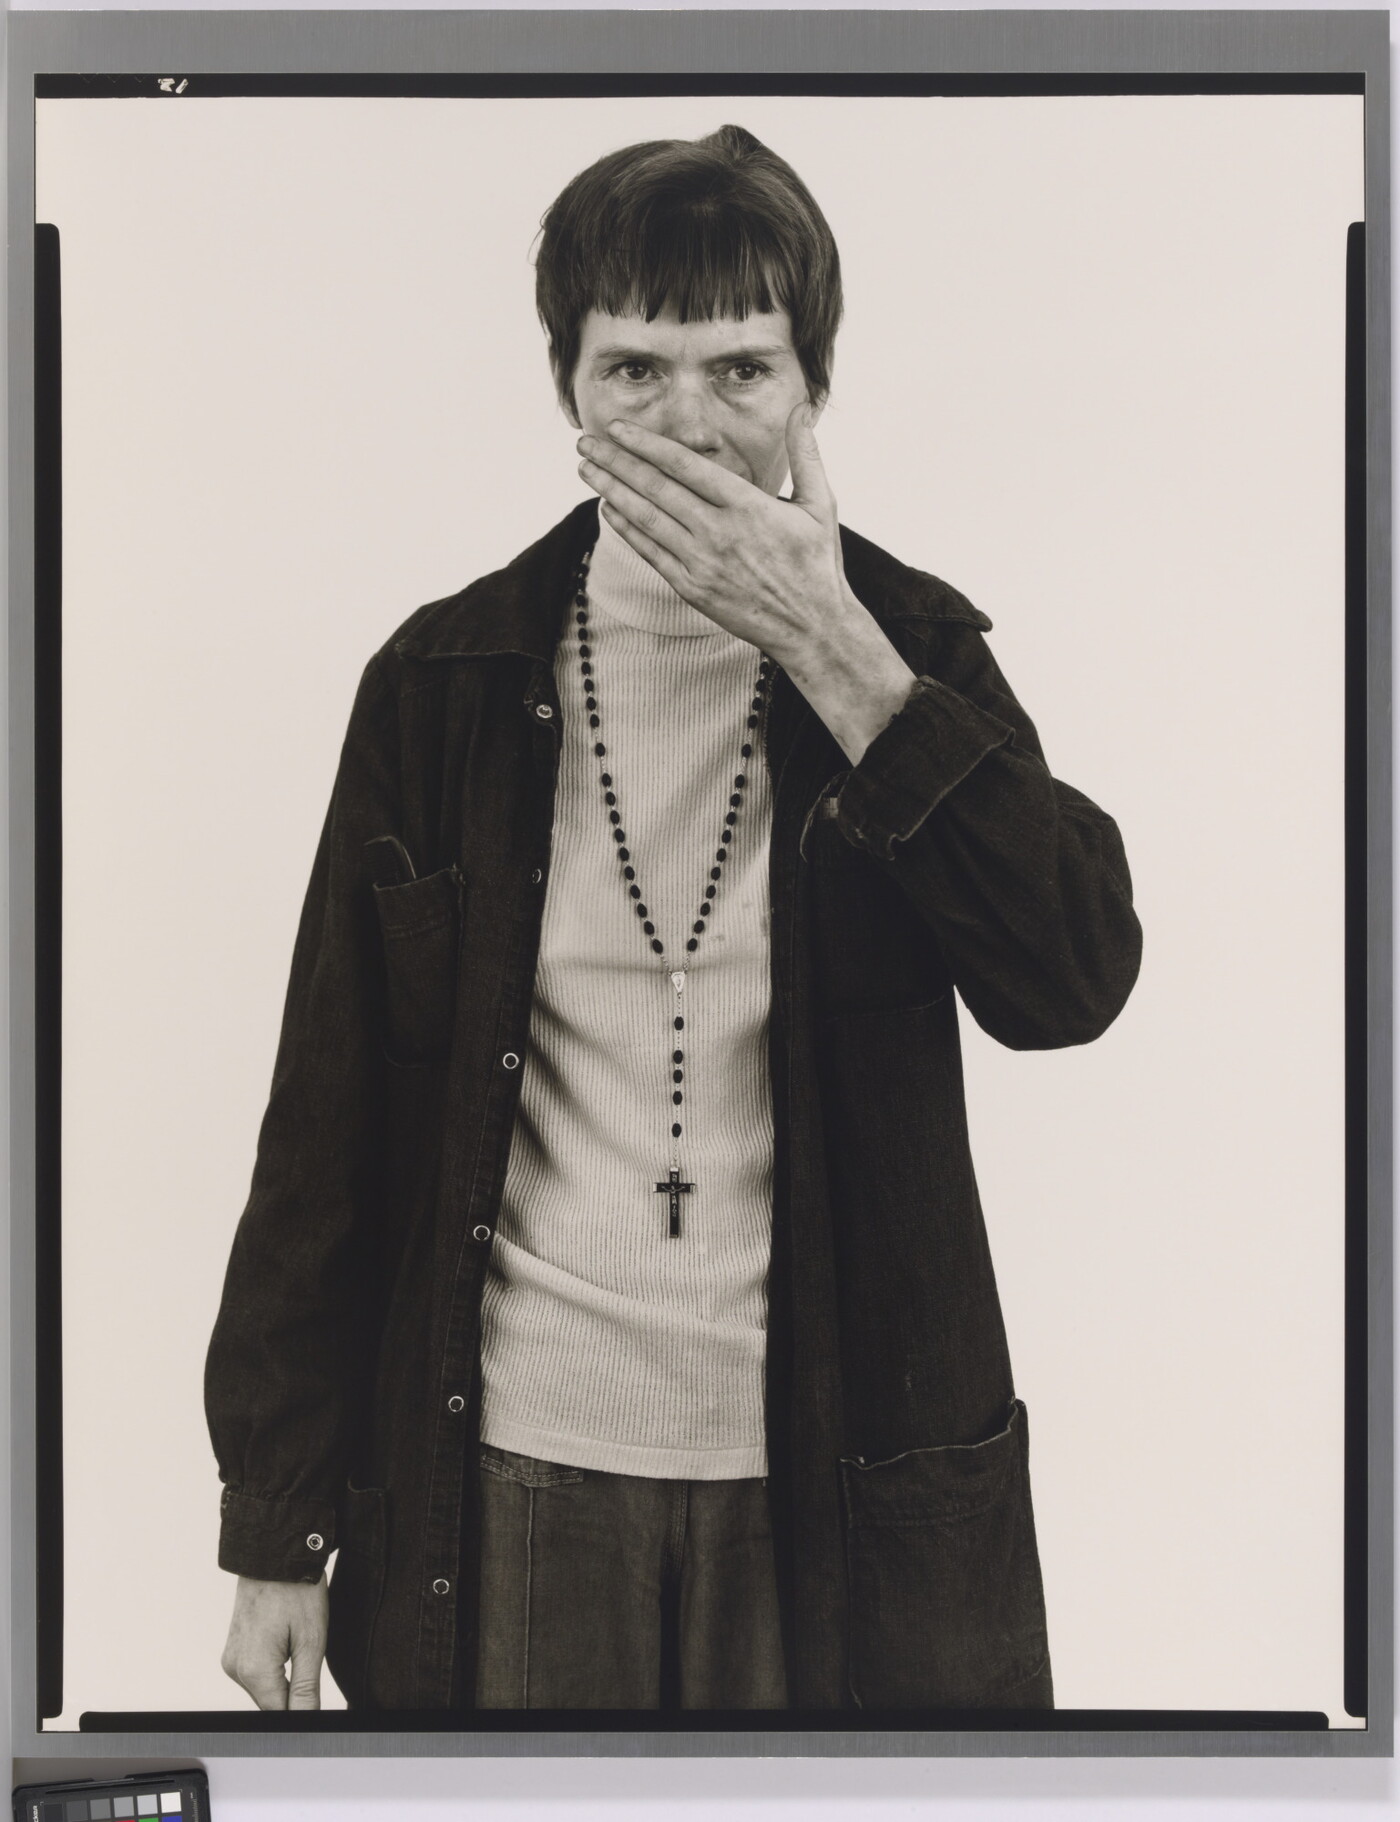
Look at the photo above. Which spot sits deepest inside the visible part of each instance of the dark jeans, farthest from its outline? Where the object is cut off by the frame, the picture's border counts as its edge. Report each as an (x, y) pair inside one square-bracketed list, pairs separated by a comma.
[(617, 1591)]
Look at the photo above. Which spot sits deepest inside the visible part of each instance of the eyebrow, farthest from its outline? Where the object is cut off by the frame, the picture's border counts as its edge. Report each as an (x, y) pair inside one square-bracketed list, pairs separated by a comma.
[(620, 351)]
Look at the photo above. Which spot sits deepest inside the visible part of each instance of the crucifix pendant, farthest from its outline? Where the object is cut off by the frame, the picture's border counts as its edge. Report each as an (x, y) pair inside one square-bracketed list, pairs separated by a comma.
[(675, 1189)]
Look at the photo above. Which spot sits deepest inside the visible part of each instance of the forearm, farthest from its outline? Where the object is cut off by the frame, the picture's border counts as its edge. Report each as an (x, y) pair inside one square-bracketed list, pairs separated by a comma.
[(852, 676)]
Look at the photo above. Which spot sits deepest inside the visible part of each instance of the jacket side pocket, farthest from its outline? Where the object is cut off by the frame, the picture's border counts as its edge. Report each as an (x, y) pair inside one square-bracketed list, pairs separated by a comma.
[(946, 1604), (356, 1588), (420, 923)]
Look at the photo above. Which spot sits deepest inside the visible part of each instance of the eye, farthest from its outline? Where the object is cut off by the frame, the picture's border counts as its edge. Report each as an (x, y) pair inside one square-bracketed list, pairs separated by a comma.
[(632, 373), (747, 372)]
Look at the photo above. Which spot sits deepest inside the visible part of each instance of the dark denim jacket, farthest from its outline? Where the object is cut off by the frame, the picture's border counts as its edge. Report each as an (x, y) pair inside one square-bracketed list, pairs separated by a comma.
[(342, 1375)]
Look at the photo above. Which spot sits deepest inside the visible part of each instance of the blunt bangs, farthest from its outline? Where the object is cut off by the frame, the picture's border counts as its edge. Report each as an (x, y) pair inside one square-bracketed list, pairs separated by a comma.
[(713, 227)]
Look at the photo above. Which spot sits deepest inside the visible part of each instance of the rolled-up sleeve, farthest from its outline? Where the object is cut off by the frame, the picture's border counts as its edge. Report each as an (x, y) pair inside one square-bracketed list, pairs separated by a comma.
[(911, 765)]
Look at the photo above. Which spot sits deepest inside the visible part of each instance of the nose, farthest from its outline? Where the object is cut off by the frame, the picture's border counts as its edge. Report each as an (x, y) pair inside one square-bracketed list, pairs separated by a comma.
[(688, 415)]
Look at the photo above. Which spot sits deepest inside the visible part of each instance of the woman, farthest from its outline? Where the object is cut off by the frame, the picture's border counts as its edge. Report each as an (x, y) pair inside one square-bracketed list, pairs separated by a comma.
[(613, 1291)]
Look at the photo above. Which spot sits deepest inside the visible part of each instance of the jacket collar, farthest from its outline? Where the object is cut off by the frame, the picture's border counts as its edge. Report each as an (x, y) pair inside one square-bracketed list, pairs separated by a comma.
[(520, 609)]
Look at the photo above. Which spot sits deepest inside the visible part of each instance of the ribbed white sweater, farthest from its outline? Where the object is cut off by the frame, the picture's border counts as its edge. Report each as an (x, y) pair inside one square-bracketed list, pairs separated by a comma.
[(607, 1344)]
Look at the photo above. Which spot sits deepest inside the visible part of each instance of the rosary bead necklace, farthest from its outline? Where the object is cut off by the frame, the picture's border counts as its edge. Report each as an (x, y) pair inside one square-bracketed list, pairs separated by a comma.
[(673, 1187)]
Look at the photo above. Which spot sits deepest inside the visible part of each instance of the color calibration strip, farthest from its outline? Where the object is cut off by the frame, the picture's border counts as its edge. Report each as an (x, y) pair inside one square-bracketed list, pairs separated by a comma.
[(161, 1803)]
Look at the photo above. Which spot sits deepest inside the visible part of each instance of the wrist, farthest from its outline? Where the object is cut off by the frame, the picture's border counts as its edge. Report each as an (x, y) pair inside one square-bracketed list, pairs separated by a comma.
[(852, 676)]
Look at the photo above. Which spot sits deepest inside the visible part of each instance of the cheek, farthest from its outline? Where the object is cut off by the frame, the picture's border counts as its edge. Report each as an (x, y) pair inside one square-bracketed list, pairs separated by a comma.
[(760, 436)]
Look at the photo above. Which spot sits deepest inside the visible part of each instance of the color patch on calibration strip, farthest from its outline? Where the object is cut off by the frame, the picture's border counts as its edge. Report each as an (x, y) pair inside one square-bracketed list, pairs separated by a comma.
[(156, 1806)]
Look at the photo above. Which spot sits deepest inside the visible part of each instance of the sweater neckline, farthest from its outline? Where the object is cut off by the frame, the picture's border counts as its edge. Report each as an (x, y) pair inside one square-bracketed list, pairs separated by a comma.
[(623, 586)]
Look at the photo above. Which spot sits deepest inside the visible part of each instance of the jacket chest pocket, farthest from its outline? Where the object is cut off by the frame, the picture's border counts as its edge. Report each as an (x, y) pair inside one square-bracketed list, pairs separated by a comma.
[(945, 1589), (420, 922)]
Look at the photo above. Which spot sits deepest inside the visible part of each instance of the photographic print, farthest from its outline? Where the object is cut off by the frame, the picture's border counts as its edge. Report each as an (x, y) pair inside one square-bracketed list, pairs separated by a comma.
[(704, 893)]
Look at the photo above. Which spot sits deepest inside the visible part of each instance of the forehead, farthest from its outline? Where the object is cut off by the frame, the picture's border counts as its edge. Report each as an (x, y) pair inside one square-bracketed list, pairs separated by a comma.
[(601, 333)]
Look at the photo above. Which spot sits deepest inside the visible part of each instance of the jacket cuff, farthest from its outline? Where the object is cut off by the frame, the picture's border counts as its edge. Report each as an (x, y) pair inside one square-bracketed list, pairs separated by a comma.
[(912, 763), (275, 1539)]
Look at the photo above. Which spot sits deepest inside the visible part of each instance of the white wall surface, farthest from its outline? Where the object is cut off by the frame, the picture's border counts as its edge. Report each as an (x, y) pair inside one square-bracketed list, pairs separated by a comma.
[(1091, 374)]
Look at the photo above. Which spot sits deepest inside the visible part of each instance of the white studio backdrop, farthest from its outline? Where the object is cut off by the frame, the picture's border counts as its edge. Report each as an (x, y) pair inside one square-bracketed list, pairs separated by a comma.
[(1092, 374)]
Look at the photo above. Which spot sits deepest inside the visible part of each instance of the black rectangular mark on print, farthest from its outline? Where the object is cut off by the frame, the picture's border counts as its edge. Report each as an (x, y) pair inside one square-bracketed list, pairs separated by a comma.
[(183, 87), (1355, 1519), (48, 914)]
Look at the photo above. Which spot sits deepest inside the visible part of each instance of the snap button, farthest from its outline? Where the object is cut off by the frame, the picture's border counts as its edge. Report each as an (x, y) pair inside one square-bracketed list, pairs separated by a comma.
[(315, 1541), (456, 1402), (481, 1233), (545, 711), (440, 1586), (510, 1060), (536, 875)]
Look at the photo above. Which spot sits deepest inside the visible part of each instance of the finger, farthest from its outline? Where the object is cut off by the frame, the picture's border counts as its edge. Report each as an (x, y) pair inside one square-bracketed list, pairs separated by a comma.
[(306, 1677), (644, 514), (308, 1640), (695, 472), (266, 1685), (643, 477), (810, 487), (657, 555)]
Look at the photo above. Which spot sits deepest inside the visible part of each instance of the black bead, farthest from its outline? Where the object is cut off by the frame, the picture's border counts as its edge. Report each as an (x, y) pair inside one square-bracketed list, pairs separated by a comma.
[(642, 910), (735, 800), (757, 703), (746, 751), (614, 817), (606, 781), (726, 835), (676, 1131), (580, 617), (692, 944), (699, 927), (709, 890), (650, 929), (610, 797), (656, 945), (720, 853), (679, 1022), (714, 874), (631, 873), (678, 1056), (623, 853), (740, 782), (677, 1075), (676, 1096), (619, 835), (590, 702), (730, 821), (599, 748), (593, 721), (752, 722), (585, 651), (704, 910)]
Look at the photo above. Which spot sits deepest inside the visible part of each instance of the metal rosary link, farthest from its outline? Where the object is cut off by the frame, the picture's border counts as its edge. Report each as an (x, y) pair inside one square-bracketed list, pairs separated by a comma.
[(673, 1187)]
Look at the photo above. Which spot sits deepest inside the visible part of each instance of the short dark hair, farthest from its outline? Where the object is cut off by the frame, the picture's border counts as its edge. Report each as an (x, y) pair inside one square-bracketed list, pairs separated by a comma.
[(718, 226)]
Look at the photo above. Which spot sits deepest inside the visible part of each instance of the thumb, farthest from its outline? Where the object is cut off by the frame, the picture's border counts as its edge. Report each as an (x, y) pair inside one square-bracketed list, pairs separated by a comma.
[(809, 483)]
